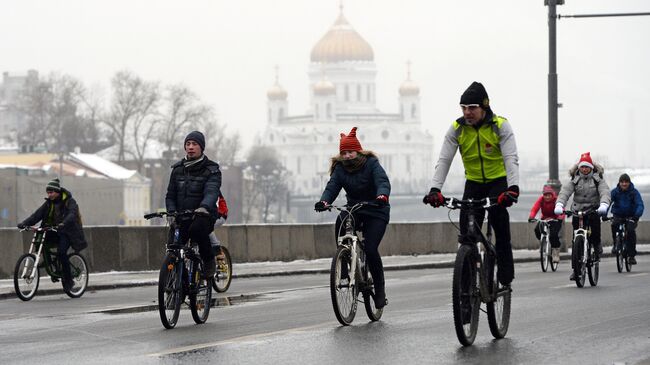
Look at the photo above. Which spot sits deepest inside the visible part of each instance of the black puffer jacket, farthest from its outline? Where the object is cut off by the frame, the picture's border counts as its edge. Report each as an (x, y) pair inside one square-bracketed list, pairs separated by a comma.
[(62, 210), (194, 186)]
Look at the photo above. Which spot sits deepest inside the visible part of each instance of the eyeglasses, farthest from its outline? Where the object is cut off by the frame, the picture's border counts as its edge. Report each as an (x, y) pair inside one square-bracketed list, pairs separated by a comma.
[(469, 106)]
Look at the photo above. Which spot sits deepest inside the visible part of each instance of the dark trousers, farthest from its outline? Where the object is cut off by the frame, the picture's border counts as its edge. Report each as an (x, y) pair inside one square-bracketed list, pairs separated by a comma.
[(62, 246), (498, 218), (198, 230), (592, 221), (554, 229), (630, 227), (373, 230)]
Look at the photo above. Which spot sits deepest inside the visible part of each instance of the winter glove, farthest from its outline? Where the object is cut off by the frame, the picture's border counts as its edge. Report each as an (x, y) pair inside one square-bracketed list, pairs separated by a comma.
[(602, 209), (635, 219), (559, 209), (434, 198), (508, 197), (531, 220), (21, 225), (321, 206), (201, 211), (381, 200), (60, 226), (170, 219)]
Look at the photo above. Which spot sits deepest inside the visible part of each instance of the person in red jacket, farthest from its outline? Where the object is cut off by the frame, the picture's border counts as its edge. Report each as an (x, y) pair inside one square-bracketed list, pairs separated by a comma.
[(546, 203)]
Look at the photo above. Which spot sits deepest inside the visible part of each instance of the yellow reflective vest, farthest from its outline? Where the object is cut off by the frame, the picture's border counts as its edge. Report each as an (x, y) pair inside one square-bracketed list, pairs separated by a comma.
[(481, 151)]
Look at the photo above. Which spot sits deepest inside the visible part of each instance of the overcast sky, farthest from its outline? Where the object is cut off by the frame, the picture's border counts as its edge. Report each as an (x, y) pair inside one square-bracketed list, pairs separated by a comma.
[(226, 52)]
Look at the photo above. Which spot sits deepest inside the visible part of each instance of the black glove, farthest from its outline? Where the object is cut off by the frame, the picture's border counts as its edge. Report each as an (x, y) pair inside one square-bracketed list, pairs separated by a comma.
[(434, 198), (531, 220), (60, 225), (635, 219), (381, 200), (321, 206), (21, 225), (509, 197)]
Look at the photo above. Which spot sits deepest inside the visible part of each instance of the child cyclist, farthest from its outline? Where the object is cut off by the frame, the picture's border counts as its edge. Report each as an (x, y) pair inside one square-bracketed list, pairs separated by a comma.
[(546, 203)]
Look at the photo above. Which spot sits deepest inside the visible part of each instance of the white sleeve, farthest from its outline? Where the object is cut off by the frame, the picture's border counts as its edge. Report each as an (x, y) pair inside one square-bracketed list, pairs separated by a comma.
[(446, 157)]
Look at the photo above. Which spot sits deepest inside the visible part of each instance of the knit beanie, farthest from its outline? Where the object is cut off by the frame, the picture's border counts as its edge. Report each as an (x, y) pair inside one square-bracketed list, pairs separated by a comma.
[(350, 142), (476, 94), (197, 137), (585, 160), (54, 185), (548, 189), (624, 177)]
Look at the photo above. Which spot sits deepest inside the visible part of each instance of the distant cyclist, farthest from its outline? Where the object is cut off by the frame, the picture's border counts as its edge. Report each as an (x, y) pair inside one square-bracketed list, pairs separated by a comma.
[(222, 216), (626, 204), (589, 189), (546, 203), (487, 146), (359, 173)]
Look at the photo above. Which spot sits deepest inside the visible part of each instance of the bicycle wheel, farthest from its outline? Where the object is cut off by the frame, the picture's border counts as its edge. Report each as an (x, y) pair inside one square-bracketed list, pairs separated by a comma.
[(374, 314), (24, 283), (628, 266), (170, 291), (620, 260), (554, 265), (543, 254), (201, 296), (344, 295), (592, 268), (498, 310), (223, 276), (466, 300), (579, 267), (79, 272)]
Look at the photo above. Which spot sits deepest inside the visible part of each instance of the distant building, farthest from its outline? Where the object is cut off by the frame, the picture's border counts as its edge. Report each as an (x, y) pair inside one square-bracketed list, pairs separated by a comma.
[(12, 88), (343, 95)]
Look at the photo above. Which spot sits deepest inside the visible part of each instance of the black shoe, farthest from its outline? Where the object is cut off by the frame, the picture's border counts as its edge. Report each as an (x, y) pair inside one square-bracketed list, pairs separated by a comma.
[(68, 285), (631, 260), (210, 269), (380, 299)]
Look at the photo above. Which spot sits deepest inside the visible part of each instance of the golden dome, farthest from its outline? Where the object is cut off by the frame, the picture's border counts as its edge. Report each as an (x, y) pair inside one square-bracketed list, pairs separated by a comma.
[(324, 87), (409, 88), (276, 92), (341, 43)]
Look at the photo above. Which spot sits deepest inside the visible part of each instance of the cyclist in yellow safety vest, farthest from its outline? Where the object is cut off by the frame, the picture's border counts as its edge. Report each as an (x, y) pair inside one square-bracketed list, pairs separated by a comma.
[(489, 152)]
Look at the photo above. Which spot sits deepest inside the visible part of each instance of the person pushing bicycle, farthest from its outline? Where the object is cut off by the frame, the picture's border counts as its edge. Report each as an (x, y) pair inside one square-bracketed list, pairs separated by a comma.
[(589, 189), (195, 184), (487, 146), (546, 203), (60, 211), (359, 173), (626, 203)]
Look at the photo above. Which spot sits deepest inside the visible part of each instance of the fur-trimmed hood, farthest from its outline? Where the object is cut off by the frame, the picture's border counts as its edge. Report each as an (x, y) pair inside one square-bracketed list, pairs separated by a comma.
[(338, 159), (598, 169)]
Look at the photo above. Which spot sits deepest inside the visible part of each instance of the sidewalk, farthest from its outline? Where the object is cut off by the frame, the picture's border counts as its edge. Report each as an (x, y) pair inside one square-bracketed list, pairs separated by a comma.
[(122, 279)]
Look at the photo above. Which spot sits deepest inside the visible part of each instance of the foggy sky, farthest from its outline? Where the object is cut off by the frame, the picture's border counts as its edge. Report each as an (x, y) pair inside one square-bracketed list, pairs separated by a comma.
[(226, 52)]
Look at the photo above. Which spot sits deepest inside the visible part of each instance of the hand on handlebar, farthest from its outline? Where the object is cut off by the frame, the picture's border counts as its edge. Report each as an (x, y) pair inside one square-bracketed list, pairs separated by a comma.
[(532, 220), (434, 198), (509, 197), (21, 225), (321, 206), (559, 209)]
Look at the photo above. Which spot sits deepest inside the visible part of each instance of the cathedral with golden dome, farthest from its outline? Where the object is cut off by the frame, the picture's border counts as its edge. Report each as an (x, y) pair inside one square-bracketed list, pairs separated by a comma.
[(342, 88)]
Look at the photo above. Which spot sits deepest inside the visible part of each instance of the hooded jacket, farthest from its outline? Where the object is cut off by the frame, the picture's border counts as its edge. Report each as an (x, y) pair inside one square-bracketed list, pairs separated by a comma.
[(546, 207), (627, 203), (587, 190)]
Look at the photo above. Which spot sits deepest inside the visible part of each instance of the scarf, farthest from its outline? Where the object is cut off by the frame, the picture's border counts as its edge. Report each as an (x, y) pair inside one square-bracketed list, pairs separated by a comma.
[(189, 163)]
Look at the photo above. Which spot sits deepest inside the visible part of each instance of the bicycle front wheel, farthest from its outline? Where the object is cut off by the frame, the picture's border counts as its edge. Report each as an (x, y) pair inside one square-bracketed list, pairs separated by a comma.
[(498, 310), (466, 300), (26, 277), (628, 266), (170, 291), (79, 273), (344, 295), (223, 276), (579, 267), (620, 260), (374, 313), (593, 269), (201, 296), (543, 254)]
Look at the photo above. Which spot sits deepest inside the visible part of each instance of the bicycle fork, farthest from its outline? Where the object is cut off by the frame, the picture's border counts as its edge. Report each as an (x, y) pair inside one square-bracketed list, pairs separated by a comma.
[(38, 256)]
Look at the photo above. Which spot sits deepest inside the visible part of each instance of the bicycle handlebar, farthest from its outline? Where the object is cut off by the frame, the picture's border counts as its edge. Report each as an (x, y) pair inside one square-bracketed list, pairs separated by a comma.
[(588, 211), (485, 203), (351, 208), (38, 229), (170, 214)]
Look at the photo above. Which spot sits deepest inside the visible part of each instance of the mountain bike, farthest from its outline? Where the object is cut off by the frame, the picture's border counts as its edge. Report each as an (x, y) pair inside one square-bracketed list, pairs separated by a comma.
[(182, 275), (582, 253), (349, 274), (475, 277), (43, 254), (545, 258), (620, 242)]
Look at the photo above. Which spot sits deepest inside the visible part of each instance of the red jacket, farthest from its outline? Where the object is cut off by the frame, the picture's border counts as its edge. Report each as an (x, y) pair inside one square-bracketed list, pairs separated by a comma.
[(547, 208)]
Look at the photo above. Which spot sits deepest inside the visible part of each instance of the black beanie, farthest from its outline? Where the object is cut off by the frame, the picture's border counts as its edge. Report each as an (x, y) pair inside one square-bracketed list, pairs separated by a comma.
[(54, 185), (476, 94), (197, 137), (624, 177)]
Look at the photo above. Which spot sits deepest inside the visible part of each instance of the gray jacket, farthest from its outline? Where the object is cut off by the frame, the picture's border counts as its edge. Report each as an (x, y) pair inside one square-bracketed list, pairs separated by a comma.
[(587, 190)]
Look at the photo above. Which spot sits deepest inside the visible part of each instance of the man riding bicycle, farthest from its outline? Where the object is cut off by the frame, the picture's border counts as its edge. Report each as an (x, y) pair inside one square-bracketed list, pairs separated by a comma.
[(60, 211), (360, 174), (195, 184), (626, 204), (489, 152)]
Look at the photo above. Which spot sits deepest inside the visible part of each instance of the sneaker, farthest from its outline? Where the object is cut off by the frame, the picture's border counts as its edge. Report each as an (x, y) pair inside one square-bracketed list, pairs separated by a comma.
[(572, 277), (631, 260), (210, 269), (555, 253)]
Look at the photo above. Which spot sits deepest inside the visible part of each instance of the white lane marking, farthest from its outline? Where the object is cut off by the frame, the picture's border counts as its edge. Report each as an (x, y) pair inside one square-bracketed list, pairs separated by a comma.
[(239, 339), (635, 275), (562, 286)]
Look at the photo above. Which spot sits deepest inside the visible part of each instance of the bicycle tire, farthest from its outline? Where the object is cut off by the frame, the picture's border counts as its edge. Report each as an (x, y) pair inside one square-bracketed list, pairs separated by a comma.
[(464, 296), (79, 272), (170, 291), (498, 311), (374, 313), (25, 287), (620, 260), (201, 297), (543, 254), (579, 268), (344, 299), (554, 265), (223, 275), (593, 268), (628, 266)]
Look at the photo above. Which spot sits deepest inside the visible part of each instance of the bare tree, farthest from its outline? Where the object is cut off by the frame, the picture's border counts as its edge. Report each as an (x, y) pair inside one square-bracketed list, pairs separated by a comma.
[(225, 147), (266, 182)]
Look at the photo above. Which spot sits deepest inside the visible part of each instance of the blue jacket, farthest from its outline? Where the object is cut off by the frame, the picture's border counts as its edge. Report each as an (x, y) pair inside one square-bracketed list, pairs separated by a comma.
[(362, 185), (627, 203)]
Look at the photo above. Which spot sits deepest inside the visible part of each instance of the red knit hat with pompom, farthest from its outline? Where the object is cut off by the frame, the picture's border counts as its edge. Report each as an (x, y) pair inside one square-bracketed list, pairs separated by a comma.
[(350, 142), (585, 160)]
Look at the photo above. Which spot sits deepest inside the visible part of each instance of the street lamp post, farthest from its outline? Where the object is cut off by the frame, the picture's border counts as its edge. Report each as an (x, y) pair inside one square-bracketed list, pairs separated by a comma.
[(553, 174)]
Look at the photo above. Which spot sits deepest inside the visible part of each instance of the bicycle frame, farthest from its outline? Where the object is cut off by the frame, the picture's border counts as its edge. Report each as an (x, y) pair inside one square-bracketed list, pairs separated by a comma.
[(38, 243), (582, 231), (353, 238)]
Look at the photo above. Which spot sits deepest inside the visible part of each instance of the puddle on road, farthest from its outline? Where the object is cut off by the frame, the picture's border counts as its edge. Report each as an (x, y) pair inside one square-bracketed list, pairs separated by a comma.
[(216, 303)]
